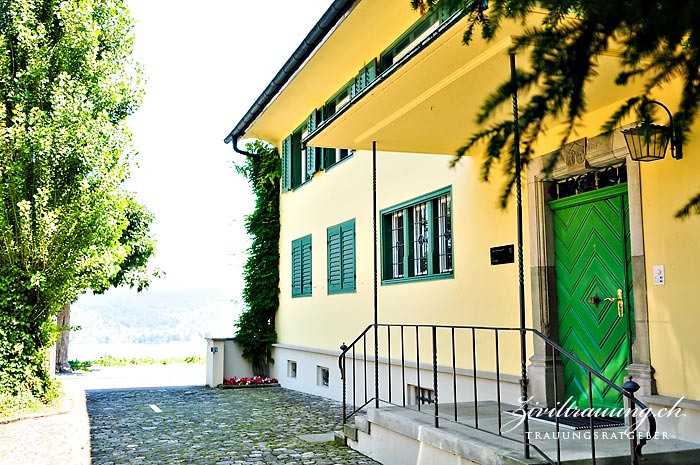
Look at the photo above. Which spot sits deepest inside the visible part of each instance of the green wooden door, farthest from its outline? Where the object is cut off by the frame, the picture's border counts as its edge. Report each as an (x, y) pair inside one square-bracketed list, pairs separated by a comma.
[(593, 261)]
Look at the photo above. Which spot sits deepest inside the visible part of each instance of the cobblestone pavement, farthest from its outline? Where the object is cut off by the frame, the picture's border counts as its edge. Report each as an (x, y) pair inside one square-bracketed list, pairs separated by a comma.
[(220, 427), (195, 425)]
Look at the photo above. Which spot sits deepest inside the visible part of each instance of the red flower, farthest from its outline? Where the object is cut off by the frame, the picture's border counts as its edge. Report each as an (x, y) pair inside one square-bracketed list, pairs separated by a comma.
[(247, 381)]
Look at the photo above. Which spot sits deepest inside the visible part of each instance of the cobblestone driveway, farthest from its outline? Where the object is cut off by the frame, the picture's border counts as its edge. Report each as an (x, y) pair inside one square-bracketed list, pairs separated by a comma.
[(203, 426)]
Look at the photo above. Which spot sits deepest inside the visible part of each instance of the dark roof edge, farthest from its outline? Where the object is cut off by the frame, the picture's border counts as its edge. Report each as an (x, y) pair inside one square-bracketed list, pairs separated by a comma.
[(324, 25)]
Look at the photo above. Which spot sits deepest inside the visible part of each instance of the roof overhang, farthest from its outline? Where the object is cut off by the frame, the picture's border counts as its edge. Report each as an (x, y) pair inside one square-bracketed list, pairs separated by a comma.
[(426, 105), (364, 32)]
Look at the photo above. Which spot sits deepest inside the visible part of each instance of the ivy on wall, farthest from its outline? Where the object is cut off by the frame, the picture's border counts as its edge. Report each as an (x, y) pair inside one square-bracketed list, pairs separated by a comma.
[(256, 324)]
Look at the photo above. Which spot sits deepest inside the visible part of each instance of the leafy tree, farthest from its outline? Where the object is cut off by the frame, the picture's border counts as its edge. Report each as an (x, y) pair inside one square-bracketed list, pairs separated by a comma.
[(133, 271), (67, 84), (256, 324), (660, 41)]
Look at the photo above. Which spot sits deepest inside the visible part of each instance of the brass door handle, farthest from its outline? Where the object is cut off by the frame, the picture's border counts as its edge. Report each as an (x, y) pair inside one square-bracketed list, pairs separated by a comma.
[(620, 303)]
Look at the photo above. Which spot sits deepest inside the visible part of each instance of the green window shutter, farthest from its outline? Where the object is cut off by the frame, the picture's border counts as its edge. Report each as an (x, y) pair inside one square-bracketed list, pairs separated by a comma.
[(347, 240), (360, 80), (312, 122), (311, 167), (370, 72), (335, 279), (306, 266), (341, 258), (296, 268), (286, 164), (364, 78), (354, 88), (301, 266)]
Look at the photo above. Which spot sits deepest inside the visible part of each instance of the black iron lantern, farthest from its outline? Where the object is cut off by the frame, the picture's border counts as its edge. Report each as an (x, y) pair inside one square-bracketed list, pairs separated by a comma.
[(648, 141)]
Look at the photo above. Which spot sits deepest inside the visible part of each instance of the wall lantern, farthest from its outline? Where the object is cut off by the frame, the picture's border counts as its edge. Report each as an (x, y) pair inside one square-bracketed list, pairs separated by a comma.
[(648, 141)]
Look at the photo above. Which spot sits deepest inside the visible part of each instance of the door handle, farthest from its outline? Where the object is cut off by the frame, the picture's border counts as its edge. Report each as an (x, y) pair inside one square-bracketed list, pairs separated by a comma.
[(620, 303)]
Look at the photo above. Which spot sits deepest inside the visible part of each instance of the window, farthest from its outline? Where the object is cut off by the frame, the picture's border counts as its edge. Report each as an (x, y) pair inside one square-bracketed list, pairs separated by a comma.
[(301, 267), (420, 395), (341, 258), (420, 31), (333, 156), (417, 238), (364, 78), (338, 101), (322, 376), (300, 163), (291, 369)]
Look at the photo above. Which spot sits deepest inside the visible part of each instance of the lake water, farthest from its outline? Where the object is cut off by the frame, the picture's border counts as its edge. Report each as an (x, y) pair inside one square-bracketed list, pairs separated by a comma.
[(93, 351)]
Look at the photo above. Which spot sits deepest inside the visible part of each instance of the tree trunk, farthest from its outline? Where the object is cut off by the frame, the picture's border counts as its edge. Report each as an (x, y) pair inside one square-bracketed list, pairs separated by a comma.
[(63, 323)]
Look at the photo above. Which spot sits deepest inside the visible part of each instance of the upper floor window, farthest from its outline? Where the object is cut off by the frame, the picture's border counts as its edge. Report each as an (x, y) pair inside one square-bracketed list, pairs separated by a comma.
[(417, 238), (421, 30), (299, 164)]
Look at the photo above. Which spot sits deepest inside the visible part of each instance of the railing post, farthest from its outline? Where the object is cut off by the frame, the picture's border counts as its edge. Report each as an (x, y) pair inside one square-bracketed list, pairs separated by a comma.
[(435, 377), (631, 387), (343, 348), (376, 366), (521, 274)]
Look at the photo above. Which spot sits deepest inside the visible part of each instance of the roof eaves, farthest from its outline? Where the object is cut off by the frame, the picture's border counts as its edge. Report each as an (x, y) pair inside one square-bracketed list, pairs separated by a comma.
[(327, 23)]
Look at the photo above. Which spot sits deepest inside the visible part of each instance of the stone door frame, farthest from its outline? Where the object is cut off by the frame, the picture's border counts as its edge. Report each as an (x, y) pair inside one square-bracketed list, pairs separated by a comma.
[(576, 158)]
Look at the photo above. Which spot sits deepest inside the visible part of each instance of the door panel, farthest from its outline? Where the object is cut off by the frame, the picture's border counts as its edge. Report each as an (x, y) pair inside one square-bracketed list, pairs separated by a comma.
[(591, 234)]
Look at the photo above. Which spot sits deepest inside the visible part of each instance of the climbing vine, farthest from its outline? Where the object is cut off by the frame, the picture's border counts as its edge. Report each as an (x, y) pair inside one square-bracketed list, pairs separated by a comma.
[(256, 324)]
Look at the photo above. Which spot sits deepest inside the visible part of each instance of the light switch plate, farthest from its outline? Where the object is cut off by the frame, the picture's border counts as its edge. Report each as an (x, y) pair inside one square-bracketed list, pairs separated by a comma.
[(659, 275)]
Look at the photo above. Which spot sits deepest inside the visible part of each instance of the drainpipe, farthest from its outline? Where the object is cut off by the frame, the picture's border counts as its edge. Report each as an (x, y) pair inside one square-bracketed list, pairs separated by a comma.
[(233, 139)]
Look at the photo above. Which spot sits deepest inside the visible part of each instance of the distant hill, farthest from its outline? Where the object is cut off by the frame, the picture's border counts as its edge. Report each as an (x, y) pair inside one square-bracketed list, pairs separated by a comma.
[(153, 316)]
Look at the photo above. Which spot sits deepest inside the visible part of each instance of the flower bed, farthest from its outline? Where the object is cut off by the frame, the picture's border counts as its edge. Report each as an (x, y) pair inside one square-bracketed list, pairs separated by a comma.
[(247, 382)]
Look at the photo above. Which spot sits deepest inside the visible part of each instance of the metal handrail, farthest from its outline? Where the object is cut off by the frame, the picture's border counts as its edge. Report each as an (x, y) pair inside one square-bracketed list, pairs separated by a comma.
[(349, 351)]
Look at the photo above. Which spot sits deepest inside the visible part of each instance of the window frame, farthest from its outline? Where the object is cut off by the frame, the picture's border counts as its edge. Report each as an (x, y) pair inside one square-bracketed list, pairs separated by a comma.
[(438, 223)]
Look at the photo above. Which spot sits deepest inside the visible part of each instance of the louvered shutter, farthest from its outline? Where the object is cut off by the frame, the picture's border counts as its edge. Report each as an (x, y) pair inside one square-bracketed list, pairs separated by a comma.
[(286, 164), (370, 72), (312, 122), (301, 266), (335, 278), (311, 167), (296, 267), (341, 258), (347, 259), (306, 266)]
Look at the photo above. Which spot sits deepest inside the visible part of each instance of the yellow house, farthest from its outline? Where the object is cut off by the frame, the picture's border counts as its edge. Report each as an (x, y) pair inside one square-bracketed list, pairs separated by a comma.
[(383, 241)]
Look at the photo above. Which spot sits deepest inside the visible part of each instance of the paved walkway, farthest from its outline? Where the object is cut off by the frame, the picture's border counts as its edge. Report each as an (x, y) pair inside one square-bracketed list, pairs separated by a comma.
[(181, 425)]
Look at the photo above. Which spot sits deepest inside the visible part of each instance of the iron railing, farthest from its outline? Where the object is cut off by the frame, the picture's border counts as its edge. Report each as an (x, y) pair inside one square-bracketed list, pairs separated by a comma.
[(463, 351)]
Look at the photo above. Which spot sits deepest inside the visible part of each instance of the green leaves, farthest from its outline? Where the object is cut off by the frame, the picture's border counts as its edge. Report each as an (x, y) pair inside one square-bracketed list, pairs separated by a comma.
[(256, 325), (656, 43), (67, 83)]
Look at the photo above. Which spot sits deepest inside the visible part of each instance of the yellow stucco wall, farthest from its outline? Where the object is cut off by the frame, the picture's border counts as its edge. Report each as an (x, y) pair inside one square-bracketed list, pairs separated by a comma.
[(673, 307), (479, 293), (339, 194)]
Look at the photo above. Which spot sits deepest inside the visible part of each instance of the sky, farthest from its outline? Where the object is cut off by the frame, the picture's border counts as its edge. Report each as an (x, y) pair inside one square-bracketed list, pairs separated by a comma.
[(206, 62)]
